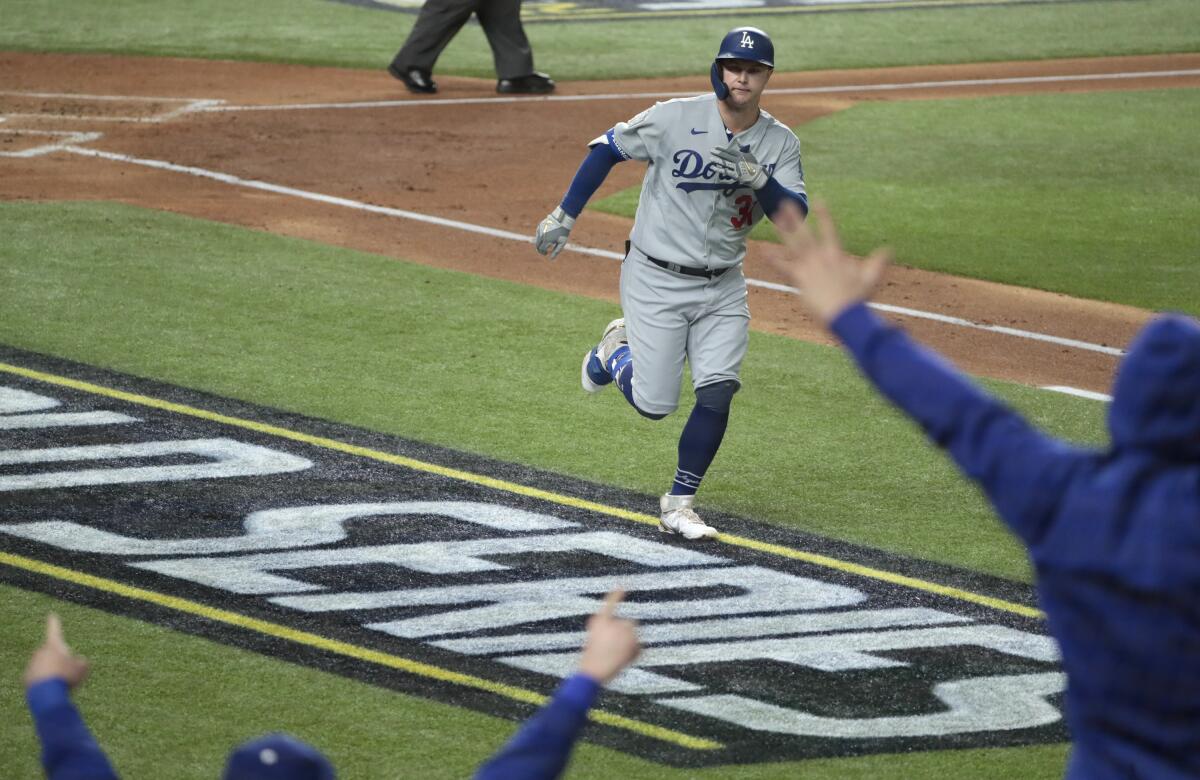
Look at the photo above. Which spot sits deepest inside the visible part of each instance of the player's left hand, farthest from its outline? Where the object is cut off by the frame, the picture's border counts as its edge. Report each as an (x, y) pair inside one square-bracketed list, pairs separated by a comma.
[(552, 232), (741, 166), (54, 659)]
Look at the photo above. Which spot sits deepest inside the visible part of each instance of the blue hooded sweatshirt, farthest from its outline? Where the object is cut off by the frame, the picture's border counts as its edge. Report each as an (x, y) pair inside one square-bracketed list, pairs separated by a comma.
[(1114, 536)]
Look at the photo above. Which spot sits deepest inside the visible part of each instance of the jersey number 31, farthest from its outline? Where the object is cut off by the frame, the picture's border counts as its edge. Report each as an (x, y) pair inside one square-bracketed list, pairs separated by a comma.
[(745, 204)]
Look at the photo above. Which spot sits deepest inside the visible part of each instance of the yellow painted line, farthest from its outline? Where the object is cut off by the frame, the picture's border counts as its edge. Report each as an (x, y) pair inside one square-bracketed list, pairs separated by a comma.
[(524, 490), (882, 574), (343, 648)]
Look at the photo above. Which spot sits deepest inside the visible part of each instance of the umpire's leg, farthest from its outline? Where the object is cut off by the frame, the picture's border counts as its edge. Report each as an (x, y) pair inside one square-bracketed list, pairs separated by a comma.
[(438, 23), (501, 20)]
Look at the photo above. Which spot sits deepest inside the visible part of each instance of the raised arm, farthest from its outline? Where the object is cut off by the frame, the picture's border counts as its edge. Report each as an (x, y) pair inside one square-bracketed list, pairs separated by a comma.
[(68, 749), (540, 750), (1018, 467)]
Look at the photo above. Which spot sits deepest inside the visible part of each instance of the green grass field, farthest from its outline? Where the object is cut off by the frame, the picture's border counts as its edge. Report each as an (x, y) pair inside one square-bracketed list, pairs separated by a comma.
[(314, 329), (390, 346), (327, 33), (207, 306)]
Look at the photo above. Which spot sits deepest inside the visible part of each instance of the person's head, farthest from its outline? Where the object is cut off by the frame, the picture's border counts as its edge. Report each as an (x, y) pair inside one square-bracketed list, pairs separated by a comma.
[(1156, 396), (742, 67), (277, 757)]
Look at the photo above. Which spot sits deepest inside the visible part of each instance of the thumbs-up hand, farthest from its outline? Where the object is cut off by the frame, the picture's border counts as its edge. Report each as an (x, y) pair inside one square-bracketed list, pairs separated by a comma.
[(55, 659), (611, 644)]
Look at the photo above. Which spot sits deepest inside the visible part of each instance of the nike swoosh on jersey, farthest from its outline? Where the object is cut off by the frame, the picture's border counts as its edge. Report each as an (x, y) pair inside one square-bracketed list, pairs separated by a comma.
[(698, 132)]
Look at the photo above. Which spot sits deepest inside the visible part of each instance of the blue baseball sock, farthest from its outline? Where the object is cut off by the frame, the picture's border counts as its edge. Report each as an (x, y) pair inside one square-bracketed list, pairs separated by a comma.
[(698, 446), (596, 370), (620, 367)]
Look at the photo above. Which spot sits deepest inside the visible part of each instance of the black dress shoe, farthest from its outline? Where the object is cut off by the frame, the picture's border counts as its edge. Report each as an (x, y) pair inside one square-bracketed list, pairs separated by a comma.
[(417, 80), (533, 84)]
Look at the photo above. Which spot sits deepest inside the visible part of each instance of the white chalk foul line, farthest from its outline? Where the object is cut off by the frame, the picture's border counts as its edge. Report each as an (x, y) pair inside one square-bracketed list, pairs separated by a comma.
[(841, 88), (1075, 391), (947, 319), (1025, 334), (333, 200), (1067, 78)]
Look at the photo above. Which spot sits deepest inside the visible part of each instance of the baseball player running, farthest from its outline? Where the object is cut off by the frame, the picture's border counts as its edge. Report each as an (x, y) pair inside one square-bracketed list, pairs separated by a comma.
[(717, 164)]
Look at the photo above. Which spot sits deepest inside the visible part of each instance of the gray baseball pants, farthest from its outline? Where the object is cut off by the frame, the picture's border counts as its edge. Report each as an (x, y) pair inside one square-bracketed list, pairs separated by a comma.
[(670, 317)]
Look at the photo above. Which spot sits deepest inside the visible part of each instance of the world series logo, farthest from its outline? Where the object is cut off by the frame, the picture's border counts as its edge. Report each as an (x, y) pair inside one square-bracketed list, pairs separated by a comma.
[(464, 583)]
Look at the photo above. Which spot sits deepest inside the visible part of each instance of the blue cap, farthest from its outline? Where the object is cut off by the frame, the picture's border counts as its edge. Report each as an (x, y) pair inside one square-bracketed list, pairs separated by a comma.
[(741, 43), (277, 757)]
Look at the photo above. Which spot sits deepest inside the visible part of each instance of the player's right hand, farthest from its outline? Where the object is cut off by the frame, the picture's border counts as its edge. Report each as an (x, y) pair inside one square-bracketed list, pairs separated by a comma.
[(552, 232)]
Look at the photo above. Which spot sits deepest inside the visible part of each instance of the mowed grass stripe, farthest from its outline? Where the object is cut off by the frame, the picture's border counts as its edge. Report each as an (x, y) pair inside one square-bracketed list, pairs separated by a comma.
[(519, 489), (323, 33), (608, 15), (343, 648)]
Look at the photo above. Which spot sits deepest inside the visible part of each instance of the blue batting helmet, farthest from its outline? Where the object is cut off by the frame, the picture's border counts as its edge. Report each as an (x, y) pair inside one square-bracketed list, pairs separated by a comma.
[(741, 43)]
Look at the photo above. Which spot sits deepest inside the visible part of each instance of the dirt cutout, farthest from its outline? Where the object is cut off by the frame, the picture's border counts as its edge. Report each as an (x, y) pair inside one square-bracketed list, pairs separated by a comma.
[(500, 163)]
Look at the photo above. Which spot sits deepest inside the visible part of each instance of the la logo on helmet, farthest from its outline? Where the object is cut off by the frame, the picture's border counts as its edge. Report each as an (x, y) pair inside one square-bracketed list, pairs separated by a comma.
[(740, 43)]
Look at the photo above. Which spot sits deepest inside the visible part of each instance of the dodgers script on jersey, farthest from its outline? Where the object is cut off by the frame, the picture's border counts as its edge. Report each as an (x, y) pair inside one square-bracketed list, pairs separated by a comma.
[(683, 191)]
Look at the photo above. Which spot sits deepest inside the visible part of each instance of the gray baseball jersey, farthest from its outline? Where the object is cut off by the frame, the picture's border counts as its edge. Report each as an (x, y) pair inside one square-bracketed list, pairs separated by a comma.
[(688, 212)]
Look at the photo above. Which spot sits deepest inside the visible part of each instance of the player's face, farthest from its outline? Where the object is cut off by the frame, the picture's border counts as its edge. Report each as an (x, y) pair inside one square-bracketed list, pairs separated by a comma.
[(746, 81)]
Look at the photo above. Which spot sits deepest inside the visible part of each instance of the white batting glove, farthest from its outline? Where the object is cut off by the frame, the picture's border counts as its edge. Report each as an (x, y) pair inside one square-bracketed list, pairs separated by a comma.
[(741, 166), (552, 232)]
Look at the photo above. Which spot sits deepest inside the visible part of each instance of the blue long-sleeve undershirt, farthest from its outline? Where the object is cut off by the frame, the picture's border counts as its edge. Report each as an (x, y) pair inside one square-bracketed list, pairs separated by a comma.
[(589, 177), (540, 750), (773, 194), (69, 751)]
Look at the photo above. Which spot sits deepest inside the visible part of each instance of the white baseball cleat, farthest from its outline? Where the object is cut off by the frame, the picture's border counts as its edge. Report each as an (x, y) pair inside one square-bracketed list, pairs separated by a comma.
[(678, 517), (594, 372)]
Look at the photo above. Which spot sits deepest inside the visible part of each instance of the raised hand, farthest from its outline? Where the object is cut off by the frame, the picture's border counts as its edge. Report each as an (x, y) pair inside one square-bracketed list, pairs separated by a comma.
[(828, 278), (54, 658), (611, 644)]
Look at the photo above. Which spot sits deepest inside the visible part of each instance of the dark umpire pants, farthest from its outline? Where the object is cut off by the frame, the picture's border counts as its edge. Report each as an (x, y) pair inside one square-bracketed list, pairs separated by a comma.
[(440, 20)]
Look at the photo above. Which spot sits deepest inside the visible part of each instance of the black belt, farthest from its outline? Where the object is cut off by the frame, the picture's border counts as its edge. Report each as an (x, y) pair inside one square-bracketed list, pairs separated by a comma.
[(686, 270)]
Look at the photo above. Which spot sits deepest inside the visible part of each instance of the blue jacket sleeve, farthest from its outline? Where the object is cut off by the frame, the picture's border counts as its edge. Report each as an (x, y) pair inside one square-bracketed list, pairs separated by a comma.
[(589, 177), (1021, 470), (773, 194), (540, 750), (69, 752)]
